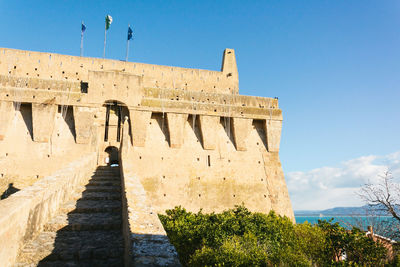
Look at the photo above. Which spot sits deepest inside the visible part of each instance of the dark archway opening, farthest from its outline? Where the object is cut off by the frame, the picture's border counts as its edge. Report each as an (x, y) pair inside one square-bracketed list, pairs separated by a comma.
[(112, 158), (115, 112)]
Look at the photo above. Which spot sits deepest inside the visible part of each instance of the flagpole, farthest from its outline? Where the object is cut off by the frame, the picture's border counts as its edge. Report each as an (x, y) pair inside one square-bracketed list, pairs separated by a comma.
[(81, 40), (105, 36), (127, 45), (127, 50)]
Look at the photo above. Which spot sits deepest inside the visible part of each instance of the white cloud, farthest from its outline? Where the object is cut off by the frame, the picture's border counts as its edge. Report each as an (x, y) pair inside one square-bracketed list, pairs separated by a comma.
[(329, 187)]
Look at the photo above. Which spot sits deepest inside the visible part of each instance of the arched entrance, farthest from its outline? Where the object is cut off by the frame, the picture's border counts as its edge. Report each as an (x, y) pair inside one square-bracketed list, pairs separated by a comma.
[(115, 112), (112, 157)]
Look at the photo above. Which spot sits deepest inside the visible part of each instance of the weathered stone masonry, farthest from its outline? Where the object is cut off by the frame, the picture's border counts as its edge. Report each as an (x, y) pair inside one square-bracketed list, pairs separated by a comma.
[(192, 139)]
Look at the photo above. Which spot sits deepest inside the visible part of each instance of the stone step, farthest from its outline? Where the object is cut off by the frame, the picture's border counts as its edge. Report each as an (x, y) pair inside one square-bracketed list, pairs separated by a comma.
[(94, 188), (106, 172), (97, 186), (107, 167), (64, 248), (101, 178), (87, 231), (98, 196), (84, 222), (91, 206), (104, 183)]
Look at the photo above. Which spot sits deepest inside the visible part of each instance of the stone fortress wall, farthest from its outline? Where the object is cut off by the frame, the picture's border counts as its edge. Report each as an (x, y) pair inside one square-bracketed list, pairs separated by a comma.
[(194, 141)]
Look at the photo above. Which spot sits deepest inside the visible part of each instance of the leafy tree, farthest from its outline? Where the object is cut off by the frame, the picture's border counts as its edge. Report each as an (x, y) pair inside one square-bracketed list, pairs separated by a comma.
[(363, 250), (312, 242), (235, 251), (238, 237), (353, 245), (335, 239), (273, 236)]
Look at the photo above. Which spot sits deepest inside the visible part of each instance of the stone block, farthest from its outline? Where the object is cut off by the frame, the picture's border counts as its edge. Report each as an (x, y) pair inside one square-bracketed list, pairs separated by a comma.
[(241, 128), (6, 115), (139, 122), (208, 127), (84, 119), (273, 130), (43, 116), (176, 127)]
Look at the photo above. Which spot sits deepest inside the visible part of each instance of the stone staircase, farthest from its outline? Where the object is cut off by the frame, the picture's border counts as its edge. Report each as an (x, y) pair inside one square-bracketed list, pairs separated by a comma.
[(86, 232)]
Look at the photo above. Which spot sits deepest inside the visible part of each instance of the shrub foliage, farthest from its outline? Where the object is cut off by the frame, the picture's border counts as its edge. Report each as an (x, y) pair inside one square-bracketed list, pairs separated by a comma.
[(238, 237)]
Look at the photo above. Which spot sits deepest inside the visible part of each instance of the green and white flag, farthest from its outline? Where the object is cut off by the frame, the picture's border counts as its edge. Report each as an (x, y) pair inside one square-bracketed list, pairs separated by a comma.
[(108, 21)]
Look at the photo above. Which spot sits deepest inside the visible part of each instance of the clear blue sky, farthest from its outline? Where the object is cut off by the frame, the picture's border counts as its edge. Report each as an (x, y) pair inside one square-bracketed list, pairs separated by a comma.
[(335, 65)]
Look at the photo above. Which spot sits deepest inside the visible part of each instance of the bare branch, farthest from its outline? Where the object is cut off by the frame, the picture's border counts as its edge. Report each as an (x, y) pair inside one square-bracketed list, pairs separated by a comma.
[(384, 195)]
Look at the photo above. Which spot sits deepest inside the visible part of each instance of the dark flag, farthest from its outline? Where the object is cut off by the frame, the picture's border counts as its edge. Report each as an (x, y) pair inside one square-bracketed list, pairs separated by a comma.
[(130, 33), (83, 28), (130, 36)]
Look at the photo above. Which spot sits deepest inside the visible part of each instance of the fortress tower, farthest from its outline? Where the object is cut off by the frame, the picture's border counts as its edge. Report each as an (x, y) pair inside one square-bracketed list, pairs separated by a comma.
[(186, 136)]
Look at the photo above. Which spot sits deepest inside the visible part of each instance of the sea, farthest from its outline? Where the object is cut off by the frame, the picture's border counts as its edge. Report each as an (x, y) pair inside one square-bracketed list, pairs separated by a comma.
[(344, 220), (382, 225)]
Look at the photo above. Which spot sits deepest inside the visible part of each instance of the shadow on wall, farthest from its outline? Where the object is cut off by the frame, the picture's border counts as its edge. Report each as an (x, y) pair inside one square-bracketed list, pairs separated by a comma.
[(9, 191), (161, 119), (227, 124), (194, 122), (67, 114), (259, 126), (26, 113)]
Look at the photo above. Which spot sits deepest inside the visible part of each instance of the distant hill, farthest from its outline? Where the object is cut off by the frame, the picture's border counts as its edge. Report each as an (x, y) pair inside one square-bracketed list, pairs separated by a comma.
[(363, 210)]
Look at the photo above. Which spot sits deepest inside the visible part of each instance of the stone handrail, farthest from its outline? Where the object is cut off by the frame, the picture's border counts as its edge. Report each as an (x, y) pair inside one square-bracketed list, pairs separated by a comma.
[(23, 214)]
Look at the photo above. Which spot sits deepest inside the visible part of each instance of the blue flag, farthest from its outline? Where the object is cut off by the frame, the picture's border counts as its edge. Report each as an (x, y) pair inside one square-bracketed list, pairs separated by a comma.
[(130, 33), (83, 27)]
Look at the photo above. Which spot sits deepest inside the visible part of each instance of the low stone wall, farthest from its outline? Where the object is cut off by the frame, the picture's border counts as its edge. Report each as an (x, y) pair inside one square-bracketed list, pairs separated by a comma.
[(23, 214), (146, 242)]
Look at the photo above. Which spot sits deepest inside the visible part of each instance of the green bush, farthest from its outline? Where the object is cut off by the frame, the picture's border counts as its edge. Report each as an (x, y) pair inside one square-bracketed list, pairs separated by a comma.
[(238, 237), (359, 249), (243, 250)]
